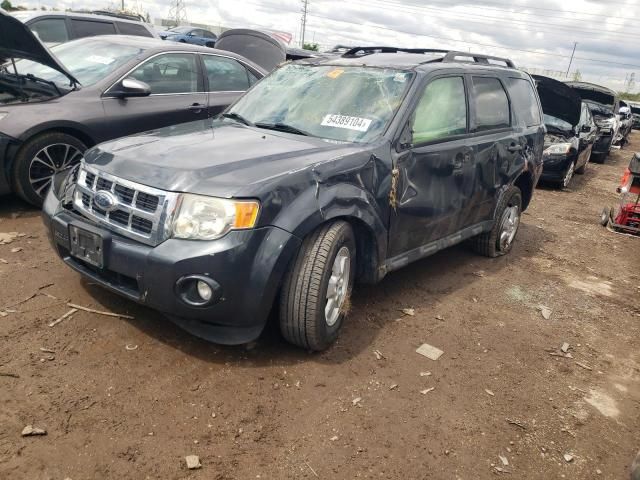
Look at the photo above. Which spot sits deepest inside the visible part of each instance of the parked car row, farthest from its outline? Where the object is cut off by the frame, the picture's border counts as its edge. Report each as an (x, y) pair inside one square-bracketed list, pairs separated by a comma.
[(164, 182)]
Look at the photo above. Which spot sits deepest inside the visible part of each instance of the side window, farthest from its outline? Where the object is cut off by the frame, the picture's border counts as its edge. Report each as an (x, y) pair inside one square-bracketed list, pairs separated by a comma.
[(133, 29), (89, 28), (442, 111), (169, 73), (492, 104), (524, 101), (50, 30), (225, 74), (207, 34), (197, 32)]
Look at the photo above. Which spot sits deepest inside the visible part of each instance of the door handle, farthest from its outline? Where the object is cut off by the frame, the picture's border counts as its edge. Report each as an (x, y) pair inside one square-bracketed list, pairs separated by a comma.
[(197, 107), (513, 148)]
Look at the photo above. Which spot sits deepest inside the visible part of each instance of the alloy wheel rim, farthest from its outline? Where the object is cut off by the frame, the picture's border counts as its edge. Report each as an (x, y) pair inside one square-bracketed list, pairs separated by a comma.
[(49, 161), (338, 286), (569, 175), (510, 223)]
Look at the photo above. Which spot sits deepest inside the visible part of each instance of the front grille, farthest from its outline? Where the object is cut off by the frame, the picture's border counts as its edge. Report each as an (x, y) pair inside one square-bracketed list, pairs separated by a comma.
[(140, 211)]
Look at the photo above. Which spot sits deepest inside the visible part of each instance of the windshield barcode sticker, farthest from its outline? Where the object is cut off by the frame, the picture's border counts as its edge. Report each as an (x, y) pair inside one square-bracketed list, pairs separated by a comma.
[(344, 121)]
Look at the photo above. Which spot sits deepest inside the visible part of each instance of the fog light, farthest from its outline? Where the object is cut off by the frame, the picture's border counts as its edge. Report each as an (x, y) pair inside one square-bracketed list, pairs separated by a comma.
[(204, 290)]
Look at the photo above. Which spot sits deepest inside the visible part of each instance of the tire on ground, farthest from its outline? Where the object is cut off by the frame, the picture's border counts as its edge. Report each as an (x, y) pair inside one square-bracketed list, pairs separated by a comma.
[(21, 184), (488, 243), (303, 295)]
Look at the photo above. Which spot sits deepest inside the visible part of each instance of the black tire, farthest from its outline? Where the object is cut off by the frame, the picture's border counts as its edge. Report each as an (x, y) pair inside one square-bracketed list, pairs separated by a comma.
[(490, 243), (599, 157), (604, 216), (26, 164), (304, 294)]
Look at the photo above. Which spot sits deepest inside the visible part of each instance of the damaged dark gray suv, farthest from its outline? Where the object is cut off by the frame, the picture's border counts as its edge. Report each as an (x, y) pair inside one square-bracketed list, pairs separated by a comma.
[(326, 172)]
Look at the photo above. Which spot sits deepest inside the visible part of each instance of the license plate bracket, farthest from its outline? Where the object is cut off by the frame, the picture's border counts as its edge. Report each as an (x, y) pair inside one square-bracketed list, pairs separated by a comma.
[(87, 246)]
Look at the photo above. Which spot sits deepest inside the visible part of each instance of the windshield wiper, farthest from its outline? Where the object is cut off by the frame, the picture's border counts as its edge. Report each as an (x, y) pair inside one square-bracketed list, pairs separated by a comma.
[(283, 127), (237, 117)]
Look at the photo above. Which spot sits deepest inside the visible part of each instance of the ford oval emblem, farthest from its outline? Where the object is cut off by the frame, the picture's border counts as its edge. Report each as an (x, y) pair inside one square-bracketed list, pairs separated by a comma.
[(105, 200)]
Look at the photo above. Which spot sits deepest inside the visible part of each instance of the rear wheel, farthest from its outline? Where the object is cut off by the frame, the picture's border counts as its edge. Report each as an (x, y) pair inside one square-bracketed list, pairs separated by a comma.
[(315, 296), (40, 159), (499, 240), (604, 216)]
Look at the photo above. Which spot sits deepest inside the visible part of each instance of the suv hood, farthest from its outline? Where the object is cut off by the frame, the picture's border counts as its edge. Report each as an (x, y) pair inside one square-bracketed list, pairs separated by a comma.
[(216, 158), (17, 41), (595, 94), (559, 100)]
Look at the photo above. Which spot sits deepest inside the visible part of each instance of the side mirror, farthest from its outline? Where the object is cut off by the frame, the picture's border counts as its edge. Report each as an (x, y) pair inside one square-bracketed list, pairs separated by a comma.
[(586, 129), (130, 87)]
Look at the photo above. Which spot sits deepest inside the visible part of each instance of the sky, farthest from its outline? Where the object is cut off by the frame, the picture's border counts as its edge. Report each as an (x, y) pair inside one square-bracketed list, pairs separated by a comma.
[(536, 34)]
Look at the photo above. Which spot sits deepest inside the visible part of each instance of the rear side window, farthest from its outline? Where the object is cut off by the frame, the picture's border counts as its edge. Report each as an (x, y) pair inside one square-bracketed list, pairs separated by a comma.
[(133, 29), (442, 111), (50, 30), (524, 101), (492, 104), (89, 28), (225, 74)]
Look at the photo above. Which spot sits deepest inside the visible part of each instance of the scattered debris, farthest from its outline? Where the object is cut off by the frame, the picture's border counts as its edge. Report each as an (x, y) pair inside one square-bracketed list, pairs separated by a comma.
[(516, 423), (193, 462), (545, 311), (409, 311), (310, 468), (356, 400), (16, 249), (568, 457), (489, 392), (334, 438), (429, 351), (7, 238), (585, 366), (479, 273), (131, 346), (425, 374), (9, 374), (424, 392), (504, 460), (393, 387), (2, 260), (440, 317), (564, 347), (91, 310), (66, 315), (46, 350), (379, 355), (31, 431), (475, 300)]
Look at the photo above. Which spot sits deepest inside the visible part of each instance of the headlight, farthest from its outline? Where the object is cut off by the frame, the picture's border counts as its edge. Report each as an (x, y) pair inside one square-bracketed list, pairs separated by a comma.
[(558, 149), (206, 218)]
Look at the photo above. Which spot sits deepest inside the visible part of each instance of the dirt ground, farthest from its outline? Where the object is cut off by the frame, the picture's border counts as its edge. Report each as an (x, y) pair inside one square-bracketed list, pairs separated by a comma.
[(131, 398)]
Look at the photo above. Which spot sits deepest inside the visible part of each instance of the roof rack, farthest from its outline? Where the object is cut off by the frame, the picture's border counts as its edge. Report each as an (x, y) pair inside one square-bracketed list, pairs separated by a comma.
[(124, 16), (449, 55)]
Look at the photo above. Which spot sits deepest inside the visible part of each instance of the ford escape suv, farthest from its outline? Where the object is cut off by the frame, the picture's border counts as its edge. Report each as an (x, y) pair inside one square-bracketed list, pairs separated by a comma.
[(328, 171)]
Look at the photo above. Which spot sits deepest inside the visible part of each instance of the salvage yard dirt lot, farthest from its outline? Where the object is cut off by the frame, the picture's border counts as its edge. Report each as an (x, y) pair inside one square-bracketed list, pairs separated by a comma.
[(127, 399)]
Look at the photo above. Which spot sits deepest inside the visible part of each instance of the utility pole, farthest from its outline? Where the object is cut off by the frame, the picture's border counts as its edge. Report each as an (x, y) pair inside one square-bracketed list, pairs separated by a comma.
[(305, 7), (575, 44), (178, 12)]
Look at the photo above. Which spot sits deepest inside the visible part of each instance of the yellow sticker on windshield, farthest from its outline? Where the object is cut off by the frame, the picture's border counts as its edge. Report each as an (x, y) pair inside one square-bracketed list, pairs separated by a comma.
[(335, 73)]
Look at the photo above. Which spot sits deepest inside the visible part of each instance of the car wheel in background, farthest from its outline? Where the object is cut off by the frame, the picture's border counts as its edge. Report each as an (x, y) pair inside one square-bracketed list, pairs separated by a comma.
[(599, 157), (499, 240), (604, 216), (316, 293), (40, 159)]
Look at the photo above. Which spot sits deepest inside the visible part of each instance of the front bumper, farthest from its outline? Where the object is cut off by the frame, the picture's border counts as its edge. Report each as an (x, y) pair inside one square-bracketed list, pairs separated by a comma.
[(248, 265), (554, 167)]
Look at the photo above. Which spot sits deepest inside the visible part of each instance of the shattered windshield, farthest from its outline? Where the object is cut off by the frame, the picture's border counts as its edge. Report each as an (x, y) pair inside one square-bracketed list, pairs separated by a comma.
[(351, 104), (88, 60), (551, 121)]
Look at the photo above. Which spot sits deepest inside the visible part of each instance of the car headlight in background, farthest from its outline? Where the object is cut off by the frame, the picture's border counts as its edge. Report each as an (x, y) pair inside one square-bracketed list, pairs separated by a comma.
[(200, 217), (558, 149)]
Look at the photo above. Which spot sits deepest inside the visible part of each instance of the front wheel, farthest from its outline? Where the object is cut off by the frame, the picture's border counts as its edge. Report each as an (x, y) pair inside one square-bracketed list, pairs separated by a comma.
[(315, 296), (499, 240), (40, 159), (568, 175)]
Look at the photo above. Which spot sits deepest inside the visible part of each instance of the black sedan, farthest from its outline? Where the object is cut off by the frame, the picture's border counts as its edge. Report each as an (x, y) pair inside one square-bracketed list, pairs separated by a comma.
[(55, 104), (571, 131)]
